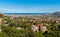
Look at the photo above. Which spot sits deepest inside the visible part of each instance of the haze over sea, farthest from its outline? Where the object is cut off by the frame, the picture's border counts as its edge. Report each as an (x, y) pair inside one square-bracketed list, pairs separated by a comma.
[(19, 14)]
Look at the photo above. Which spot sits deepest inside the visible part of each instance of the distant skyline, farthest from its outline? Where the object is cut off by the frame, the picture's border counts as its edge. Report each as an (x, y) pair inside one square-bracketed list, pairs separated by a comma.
[(29, 6)]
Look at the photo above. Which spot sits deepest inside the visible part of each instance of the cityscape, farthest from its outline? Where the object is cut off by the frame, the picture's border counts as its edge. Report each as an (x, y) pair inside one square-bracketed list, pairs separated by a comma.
[(29, 18)]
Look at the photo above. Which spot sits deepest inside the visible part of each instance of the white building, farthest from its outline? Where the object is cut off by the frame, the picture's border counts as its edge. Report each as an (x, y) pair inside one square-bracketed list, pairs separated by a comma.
[(34, 28), (39, 27)]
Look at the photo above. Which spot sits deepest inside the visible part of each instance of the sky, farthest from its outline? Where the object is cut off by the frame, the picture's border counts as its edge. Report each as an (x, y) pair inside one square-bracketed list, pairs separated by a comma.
[(29, 6)]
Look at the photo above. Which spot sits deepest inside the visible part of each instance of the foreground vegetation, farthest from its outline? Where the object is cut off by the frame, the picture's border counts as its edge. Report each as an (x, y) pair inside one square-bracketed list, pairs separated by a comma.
[(9, 27)]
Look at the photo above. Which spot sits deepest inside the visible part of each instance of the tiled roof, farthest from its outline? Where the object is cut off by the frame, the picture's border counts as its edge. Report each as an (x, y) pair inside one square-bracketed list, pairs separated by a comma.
[(40, 25)]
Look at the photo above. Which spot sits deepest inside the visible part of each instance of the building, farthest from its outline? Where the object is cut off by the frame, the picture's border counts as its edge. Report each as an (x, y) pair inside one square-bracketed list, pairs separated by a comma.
[(34, 28), (1, 21), (39, 27), (42, 27), (19, 28)]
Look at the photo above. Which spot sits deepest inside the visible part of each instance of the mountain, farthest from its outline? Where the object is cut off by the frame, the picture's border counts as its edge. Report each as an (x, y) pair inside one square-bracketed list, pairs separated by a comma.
[(56, 14)]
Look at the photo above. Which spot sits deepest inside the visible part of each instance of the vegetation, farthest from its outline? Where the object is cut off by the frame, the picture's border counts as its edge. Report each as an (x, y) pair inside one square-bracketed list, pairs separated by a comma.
[(9, 28)]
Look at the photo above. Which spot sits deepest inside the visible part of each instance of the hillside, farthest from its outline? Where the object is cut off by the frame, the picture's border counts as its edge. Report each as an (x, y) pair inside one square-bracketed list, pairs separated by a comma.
[(56, 14)]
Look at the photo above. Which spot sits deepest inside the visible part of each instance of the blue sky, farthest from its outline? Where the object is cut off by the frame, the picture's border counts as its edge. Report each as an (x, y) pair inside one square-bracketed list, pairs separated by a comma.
[(29, 6)]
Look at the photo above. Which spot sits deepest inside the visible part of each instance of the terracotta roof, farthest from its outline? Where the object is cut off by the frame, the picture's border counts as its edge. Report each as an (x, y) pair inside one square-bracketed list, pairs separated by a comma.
[(41, 25)]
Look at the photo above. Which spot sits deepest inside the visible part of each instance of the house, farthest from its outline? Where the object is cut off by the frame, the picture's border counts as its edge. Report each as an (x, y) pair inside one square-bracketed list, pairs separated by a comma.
[(34, 28), (42, 27), (19, 28), (57, 21), (1, 20), (39, 27)]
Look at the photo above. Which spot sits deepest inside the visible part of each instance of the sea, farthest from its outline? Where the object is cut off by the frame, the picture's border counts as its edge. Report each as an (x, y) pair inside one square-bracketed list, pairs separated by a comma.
[(24, 14)]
